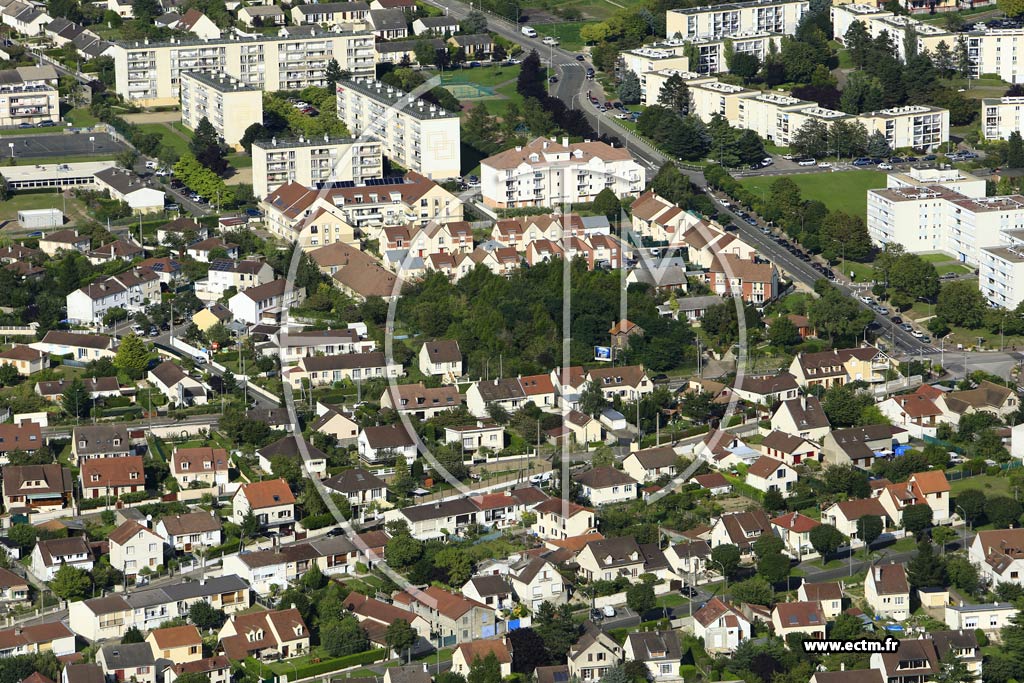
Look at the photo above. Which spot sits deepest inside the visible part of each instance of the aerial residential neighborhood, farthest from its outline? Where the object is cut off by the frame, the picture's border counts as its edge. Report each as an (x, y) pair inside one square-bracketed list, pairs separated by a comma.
[(508, 341)]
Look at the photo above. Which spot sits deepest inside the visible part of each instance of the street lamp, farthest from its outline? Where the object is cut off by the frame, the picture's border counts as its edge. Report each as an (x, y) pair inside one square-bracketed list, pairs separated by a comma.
[(11, 146), (92, 139), (965, 526), (725, 577)]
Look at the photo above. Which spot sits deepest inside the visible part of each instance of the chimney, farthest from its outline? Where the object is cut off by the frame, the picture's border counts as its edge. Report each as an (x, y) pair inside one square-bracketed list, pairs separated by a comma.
[(565, 142)]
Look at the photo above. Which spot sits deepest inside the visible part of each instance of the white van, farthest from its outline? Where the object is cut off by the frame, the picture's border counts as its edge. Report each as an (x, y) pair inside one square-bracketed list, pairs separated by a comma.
[(529, 32)]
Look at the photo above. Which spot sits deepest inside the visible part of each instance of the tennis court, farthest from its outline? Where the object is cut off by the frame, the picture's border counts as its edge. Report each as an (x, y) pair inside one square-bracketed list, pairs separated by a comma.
[(52, 146), (465, 90)]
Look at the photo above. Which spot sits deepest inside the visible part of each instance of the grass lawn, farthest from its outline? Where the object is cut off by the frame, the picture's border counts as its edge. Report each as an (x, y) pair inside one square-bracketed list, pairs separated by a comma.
[(239, 160), (171, 137), (590, 9), (484, 75), (63, 160), (979, 88), (863, 272), (983, 482), (839, 191), (907, 543), (953, 268), (24, 202), (845, 60), (671, 600), (568, 34), (81, 118), (936, 258)]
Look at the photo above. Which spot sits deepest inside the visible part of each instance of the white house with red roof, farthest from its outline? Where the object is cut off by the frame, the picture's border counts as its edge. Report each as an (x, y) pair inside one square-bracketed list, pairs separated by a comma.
[(922, 488), (271, 501), (795, 531), (803, 617), (918, 413), (560, 519), (768, 474), (722, 627)]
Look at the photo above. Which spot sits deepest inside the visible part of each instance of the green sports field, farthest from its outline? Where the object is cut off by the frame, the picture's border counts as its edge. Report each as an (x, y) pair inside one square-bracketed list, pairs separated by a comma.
[(844, 191)]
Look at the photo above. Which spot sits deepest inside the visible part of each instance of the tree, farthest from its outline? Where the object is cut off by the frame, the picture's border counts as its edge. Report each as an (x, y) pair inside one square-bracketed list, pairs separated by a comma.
[(22, 535), (926, 569), (811, 139), (616, 674), (332, 74), (767, 544), (783, 332), (457, 563), (862, 92), (343, 636), (773, 568), (826, 539), (962, 572), (145, 11), (592, 400), (126, 158), (914, 277), (1002, 511), (878, 146), (640, 598), (132, 356), (845, 236), (754, 590), (607, 204), (1015, 150), (952, 669), (962, 58), (250, 525), (917, 518), (843, 404), (71, 583), (745, 65), (675, 95), (400, 636), (629, 88), (133, 635), (556, 627), (485, 670), (726, 557), (973, 502), (205, 146), (403, 551), (1011, 8), (205, 617), (475, 22), (527, 643), (961, 303), (402, 483), (869, 528), (5, 189), (9, 375)]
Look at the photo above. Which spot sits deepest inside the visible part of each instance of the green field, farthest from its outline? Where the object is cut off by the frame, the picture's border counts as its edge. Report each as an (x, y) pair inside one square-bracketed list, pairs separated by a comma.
[(952, 268), (81, 118), (240, 160), (23, 202), (52, 130), (568, 34), (484, 75), (588, 9), (983, 482), (840, 191), (169, 135)]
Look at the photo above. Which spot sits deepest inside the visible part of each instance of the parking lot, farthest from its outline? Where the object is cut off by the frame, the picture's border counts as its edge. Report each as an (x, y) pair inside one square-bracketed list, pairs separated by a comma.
[(60, 145)]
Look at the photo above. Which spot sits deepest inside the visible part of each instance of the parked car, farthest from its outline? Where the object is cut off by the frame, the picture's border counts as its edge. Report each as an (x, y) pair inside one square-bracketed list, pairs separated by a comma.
[(609, 611), (580, 58), (885, 167), (823, 164), (806, 162), (688, 592), (863, 161), (596, 615), (152, 164), (897, 320)]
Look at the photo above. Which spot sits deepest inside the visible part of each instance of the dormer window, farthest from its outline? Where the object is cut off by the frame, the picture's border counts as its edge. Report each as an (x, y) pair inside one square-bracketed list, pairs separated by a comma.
[(184, 465), (94, 477), (133, 475), (117, 442)]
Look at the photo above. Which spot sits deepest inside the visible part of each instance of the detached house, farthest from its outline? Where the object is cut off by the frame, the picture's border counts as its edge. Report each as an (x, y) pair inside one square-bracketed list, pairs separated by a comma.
[(659, 651), (609, 558), (768, 474), (26, 360), (39, 488), (918, 413), (828, 595), (202, 465), (887, 591), (191, 531), (606, 485), (790, 449), (99, 441), (110, 477), (767, 390), (560, 519), (133, 547), (803, 417), (795, 531), (271, 501), (593, 655), (363, 490), (50, 554), (265, 301), (179, 644), (651, 464), (844, 514), (857, 446), (987, 397), (799, 617), (128, 662), (721, 626), (311, 459), (688, 559), (536, 580), (740, 529), (385, 444), (629, 382), (266, 636), (489, 589), (999, 555), (454, 618), (375, 617), (467, 653), (178, 387), (922, 488), (417, 399), (441, 357)]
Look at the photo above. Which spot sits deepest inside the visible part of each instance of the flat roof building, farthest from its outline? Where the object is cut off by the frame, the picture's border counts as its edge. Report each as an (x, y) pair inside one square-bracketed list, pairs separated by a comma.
[(416, 134), (736, 19), (314, 161), (230, 105)]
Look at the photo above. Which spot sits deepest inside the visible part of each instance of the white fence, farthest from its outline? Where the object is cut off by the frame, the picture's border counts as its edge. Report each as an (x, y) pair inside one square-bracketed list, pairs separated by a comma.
[(188, 348)]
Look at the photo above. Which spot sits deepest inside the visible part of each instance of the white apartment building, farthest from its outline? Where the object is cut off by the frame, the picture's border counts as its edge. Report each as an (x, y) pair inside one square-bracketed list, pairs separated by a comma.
[(736, 19), (929, 219), (917, 126), (991, 50), (131, 291), (711, 52), (27, 96), (548, 173), (149, 73), (654, 58), (420, 136), (654, 81), (1001, 270), (1001, 116), (313, 162), (949, 178), (230, 105)]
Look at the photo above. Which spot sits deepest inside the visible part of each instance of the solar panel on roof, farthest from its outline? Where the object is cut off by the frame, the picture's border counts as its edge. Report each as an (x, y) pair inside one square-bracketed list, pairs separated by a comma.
[(221, 265)]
